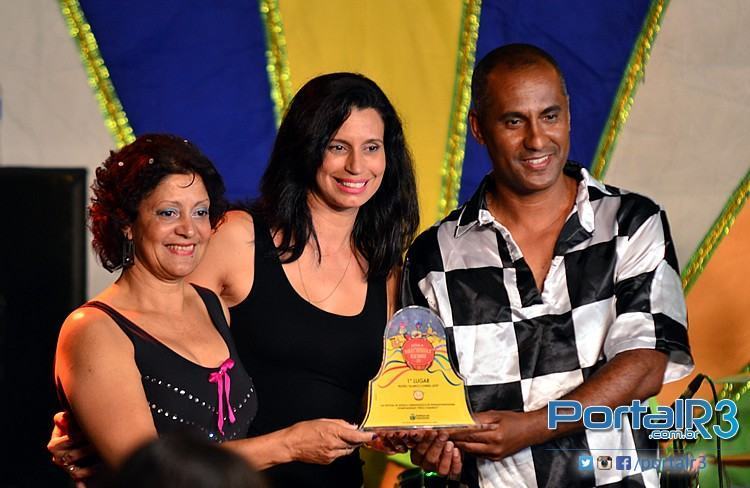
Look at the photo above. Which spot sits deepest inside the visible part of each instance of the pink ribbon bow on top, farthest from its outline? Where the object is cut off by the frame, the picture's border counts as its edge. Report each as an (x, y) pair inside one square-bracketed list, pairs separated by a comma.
[(223, 385)]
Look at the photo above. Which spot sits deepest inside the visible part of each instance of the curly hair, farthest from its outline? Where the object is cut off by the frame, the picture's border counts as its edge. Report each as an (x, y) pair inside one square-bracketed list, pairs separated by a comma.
[(386, 224), (130, 175)]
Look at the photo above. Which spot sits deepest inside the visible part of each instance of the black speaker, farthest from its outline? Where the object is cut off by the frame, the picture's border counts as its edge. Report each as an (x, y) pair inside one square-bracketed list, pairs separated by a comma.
[(42, 279)]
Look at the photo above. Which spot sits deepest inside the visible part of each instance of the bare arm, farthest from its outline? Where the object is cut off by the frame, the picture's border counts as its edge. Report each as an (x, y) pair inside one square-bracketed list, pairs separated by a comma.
[(227, 267), (314, 441), (318, 441), (114, 415), (95, 365), (630, 375), (392, 286)]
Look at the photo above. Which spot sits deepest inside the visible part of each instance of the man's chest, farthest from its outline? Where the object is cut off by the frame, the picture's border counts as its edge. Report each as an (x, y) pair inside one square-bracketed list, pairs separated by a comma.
[(537, 250)]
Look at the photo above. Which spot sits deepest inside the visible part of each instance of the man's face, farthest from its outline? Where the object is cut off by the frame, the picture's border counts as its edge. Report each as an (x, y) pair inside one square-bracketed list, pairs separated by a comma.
[(525, 125)]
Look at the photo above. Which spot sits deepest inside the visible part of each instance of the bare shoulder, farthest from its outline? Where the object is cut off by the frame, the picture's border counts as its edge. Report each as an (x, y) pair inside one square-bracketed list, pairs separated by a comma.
[(227, 265), (237, 225), (96, 369), (234, 233), (90, 327), (89, 337)]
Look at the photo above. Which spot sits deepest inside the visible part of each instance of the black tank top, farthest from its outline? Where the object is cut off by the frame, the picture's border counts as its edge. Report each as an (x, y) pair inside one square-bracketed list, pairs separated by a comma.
[(179, 391), (306, 363)]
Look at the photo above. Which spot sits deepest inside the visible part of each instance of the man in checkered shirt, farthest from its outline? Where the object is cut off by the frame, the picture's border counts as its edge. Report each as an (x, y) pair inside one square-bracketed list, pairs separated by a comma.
[(551, 285)]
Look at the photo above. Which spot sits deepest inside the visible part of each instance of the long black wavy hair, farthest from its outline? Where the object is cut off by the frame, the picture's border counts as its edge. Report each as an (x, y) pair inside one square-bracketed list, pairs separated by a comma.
[(385, 224)]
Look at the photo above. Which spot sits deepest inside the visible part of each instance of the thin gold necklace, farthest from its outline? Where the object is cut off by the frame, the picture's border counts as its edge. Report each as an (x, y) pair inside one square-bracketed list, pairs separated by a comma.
[(343, 244), (304, 288)]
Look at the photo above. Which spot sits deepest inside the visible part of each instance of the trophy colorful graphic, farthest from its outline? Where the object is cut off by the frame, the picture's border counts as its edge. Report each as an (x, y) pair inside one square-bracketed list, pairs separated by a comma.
[(416, 386)]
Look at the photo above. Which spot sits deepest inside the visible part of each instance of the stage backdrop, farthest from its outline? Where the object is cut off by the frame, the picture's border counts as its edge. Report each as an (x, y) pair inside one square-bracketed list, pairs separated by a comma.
[(658, 92)]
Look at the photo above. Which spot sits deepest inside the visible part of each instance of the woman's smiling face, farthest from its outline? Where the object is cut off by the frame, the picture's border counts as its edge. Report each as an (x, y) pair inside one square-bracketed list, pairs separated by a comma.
[(353, 162), (172, 228)]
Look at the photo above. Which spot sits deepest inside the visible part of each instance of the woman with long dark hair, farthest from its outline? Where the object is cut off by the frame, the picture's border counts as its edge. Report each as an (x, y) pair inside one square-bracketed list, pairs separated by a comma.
[(311, 268)]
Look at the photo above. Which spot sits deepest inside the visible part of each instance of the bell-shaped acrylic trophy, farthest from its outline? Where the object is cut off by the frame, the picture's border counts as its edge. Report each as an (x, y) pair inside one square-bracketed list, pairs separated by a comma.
[(417, 386)]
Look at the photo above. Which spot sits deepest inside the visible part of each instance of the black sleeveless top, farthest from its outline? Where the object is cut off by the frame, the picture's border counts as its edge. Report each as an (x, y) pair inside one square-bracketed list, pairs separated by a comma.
[(306, 363), (180, 393)]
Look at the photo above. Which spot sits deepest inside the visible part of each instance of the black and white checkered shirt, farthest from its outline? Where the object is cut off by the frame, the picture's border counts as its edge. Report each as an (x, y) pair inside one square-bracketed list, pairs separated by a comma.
[(613, 286)]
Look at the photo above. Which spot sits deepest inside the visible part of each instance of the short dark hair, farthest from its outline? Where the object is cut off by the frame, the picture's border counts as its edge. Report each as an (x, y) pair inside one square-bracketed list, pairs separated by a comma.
[(130, 175), (386, 224), (184, 460), (511, 56)]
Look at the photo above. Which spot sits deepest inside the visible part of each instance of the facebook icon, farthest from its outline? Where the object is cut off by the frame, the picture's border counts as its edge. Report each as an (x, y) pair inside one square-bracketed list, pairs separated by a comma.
[(622, 463)]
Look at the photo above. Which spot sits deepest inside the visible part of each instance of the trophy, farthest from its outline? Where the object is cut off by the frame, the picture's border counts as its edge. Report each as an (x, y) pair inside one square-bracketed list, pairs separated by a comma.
[(416, 386)]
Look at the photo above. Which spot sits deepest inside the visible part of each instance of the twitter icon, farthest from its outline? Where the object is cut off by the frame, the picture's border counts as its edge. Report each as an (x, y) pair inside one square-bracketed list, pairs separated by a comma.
[(585, 463)]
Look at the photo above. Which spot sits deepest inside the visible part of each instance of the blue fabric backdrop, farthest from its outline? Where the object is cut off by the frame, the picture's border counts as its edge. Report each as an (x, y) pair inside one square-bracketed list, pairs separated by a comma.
[(198, 69), (591, 41), (193, 68)]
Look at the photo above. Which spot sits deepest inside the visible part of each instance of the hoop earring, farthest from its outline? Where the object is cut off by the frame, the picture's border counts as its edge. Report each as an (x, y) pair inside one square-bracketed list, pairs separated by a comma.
[(128, 254)]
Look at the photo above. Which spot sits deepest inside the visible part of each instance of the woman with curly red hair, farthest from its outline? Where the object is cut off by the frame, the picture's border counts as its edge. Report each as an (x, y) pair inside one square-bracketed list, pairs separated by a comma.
[(152, 353)]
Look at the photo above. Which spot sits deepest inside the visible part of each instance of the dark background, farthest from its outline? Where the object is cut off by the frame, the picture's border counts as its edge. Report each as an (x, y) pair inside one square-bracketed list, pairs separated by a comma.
[(42, 278)]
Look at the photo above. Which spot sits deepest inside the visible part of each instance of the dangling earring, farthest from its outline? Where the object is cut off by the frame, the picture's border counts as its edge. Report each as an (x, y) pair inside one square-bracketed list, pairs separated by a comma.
[(128, 257)]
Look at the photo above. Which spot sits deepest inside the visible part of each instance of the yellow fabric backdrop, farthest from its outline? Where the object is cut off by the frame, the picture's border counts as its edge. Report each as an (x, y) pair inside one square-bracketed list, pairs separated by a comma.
[(415, 67)]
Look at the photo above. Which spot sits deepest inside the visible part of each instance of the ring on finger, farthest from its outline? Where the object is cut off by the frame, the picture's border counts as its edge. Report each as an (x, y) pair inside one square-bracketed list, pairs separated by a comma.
[(71, 467)]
